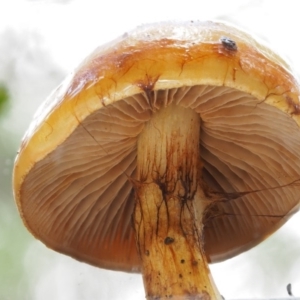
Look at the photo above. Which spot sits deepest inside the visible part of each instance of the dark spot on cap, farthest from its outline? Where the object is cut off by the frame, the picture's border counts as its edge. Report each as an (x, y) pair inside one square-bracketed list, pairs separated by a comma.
[(228, 43)]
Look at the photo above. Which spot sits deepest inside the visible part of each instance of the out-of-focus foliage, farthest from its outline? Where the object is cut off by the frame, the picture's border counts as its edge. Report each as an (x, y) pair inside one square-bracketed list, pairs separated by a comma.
[(13, 244), (14, 240), (4, 97)]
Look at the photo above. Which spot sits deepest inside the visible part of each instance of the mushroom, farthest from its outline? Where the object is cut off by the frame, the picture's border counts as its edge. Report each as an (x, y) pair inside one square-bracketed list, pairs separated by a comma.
[(174, 146)]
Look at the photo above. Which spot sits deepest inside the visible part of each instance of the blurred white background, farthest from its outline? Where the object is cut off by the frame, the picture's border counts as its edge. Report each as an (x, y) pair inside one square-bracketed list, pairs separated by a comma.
[(41, 41)]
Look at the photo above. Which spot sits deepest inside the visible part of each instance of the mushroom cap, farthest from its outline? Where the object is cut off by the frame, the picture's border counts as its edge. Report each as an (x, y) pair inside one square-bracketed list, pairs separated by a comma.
[(73, 174)]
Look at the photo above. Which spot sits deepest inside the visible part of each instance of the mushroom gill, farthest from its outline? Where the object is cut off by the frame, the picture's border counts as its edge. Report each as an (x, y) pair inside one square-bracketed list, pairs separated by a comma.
[(250, 157)]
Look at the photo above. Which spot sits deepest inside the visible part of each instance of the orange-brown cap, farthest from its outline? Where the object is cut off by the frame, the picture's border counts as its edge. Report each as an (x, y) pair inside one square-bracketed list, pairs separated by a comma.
[(73, 175)]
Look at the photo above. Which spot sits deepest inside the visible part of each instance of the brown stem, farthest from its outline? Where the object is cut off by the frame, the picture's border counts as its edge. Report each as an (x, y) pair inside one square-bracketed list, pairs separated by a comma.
[(169, 208)]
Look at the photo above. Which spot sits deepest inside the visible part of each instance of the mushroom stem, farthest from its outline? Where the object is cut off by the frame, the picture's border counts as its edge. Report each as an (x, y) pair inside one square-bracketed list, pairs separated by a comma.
[(169, 207)]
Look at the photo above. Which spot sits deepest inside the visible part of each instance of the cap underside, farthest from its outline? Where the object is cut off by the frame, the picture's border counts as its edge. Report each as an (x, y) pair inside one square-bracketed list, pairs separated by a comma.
[(250, 154)]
